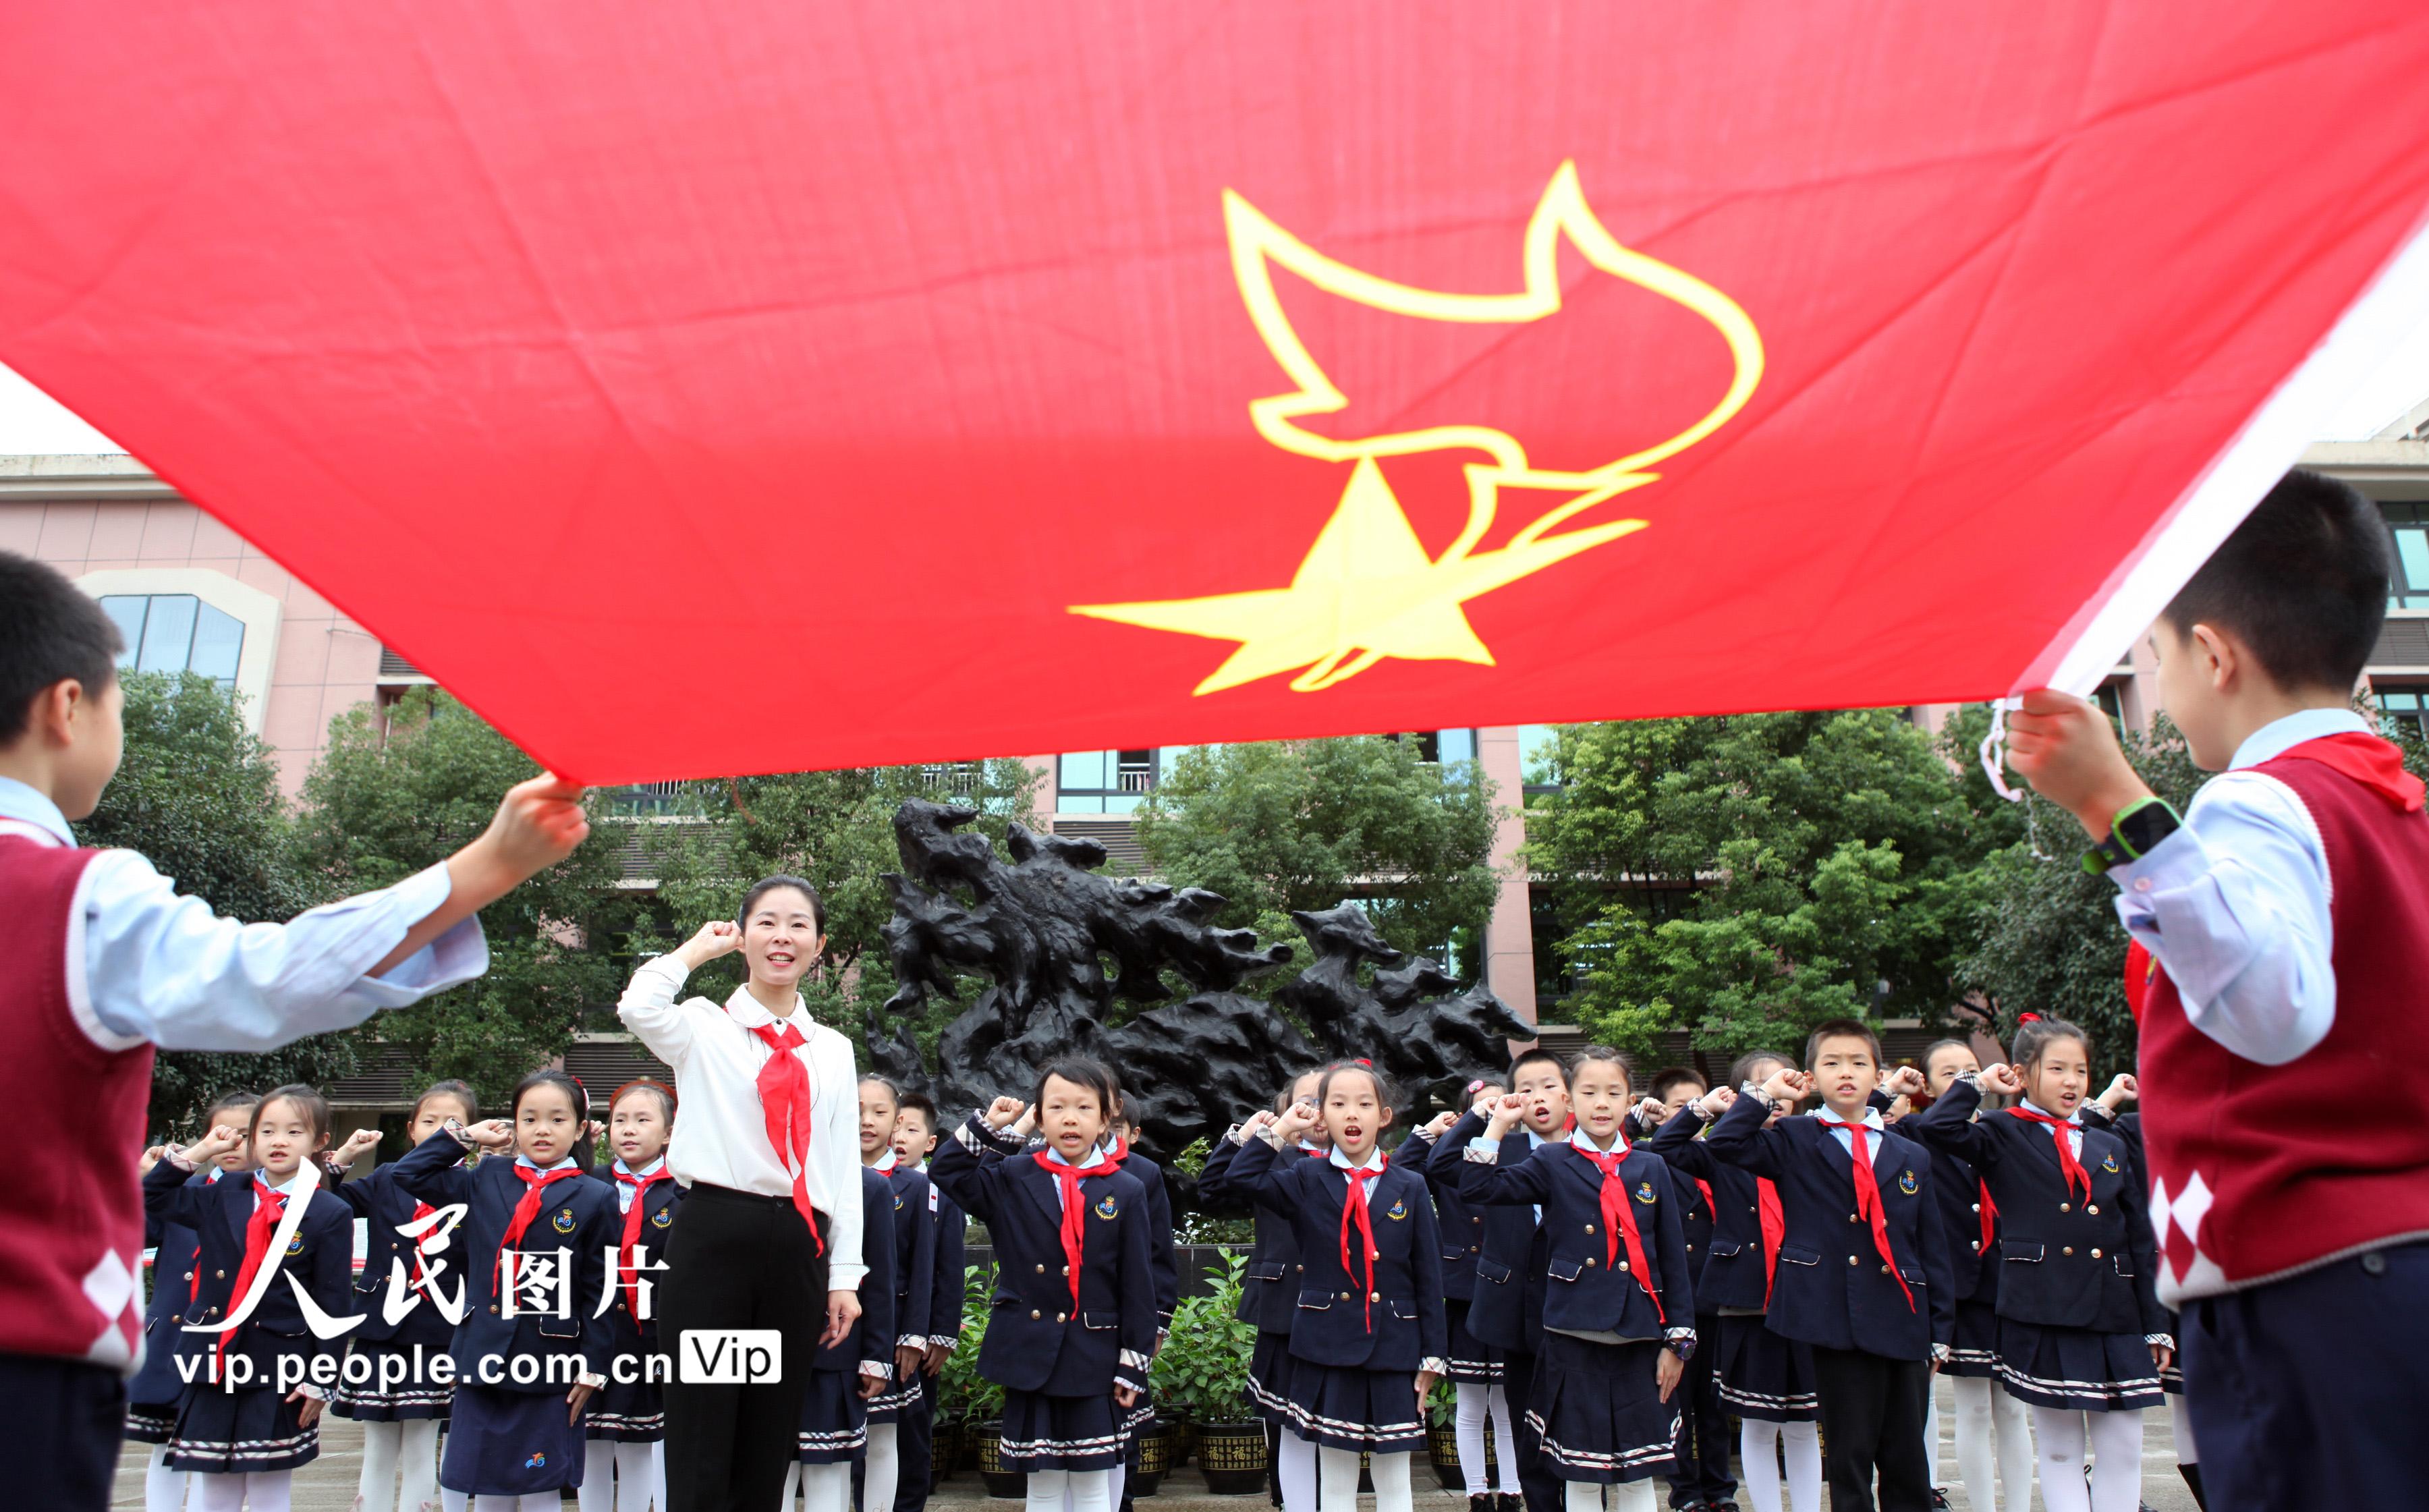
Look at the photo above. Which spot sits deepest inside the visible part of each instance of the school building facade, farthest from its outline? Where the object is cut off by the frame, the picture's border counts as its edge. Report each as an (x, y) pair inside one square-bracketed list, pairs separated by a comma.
[(192, 594)]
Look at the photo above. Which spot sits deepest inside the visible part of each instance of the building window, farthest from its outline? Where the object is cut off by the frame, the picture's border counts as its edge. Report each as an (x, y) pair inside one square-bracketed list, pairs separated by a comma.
[(1106, 782), (176, 633), (952, 780), (645, 798), (1539, 751), (1441, 745), (2408, 525), (2403, 710)]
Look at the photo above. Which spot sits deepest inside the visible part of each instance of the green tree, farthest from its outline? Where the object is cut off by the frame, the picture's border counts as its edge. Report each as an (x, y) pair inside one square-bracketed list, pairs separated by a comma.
[(387, 800), (1745, 878), (198, 793), (1303, 824)]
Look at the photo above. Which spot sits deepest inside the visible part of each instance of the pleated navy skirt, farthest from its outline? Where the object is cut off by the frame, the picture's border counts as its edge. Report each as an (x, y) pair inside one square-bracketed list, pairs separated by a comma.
[(1471, 1359), (253, 1428), (2078, 1369), (1597, 1411), (887, 1406), (151, 1422), (1976, 1352), (400, 1386), (1353, 1408), (1269, 1376), (628, 1412), (834, 1419), (1764, 1375), (509, 1444), (1043, 1432)]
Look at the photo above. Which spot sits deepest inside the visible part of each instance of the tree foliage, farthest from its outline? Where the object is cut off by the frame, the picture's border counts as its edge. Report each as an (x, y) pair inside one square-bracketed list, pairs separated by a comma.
[(1304, 823), (386, 801)]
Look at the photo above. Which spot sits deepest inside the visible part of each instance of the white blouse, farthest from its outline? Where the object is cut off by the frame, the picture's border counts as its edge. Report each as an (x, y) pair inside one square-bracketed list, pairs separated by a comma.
[(721, 1136)]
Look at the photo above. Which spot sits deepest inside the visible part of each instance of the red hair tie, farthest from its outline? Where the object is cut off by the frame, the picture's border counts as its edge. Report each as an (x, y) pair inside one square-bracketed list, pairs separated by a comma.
[(2028, 1018)]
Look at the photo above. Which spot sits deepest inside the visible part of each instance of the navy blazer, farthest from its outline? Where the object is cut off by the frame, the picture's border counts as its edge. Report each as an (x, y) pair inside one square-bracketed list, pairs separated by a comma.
[(2065, 1261), (1733, 1276), (1506, 1309), (1270, 1297), (1163, 1262), (658, 1207), (1036, 1340), (869, 1341), (913, 1264), (950, 1282), (1396, 1324), (578, 1216), (383, 1209), (1460, 1222), (173, 1249), (320, 1258), (1696, 1213), (1592, 1291), (1831, 1288)]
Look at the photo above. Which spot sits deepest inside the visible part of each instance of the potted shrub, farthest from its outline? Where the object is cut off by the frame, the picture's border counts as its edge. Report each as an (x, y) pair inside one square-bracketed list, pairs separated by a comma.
[(1203, 1375), (978, 1401)]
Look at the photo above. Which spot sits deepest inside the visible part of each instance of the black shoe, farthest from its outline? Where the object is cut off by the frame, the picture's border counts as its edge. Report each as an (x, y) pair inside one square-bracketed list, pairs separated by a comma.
[(1510, 1502), (1480, 1501)]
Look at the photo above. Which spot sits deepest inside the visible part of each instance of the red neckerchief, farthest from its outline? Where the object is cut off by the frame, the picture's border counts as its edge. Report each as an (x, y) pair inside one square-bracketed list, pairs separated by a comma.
[(421, 1269), (1353, 1210), (1120, 1151), (1990, 1216), (1705, 1188), (527, 1207), (2142, 971), (785, 1102), (266, 1208), (1868, 1199), (1775, 1228), (884, 1165), (1075, 1211), (627, 1275), (2067, 1163), (2375, 763), (1619, 1221)]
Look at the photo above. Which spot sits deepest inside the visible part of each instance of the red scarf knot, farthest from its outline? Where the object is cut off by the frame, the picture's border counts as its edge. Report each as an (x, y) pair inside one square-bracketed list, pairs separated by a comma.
[(627, 1273), (526, 1209), (785, 1102), (268, 1208), (1868, 1200), (1075, 1209), (2071, 1167), (1619, 1222), (1353, 1211)]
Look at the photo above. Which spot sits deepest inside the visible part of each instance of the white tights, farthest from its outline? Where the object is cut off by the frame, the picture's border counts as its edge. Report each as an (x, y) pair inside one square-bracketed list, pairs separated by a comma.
[(411, 1447), (1336, 1475), (1477, 1399), (461, 1501), (1089, 1491), (2116, 1459), (164, 1489), (1625, 1496), (2183, 1423), (884, 1469), (1755, 1446), (263, 1490), (616, 1477), (1991, 1433), (1295, 1472), (824, 1487)]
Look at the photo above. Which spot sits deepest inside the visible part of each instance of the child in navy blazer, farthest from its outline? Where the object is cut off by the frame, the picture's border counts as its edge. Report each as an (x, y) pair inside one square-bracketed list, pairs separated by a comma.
[(846, 1374), (152, 1395), (625, 1426), (1270, 1298), (2082, 1338), (1072, 1332), (1864, 1277), (915, 1128), (1703, 1477), (392, 1382), (1475, 1367), (2102, 1114), (249, 1412), (1367, 1345), (1619, 1312), (1766, 1378), (523, 1378), (913, 1269)]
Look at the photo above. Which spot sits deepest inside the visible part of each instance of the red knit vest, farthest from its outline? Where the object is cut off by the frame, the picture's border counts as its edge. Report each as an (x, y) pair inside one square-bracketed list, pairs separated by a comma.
[(2242, 1195), (72, 1241)]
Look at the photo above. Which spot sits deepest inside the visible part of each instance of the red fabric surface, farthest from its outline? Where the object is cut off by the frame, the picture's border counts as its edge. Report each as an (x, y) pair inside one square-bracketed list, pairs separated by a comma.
[(765, 386)]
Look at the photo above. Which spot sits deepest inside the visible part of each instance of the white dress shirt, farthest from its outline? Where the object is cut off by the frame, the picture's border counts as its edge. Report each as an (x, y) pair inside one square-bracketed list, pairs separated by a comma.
[(2235, 904), (722, 1136), (145, 964)]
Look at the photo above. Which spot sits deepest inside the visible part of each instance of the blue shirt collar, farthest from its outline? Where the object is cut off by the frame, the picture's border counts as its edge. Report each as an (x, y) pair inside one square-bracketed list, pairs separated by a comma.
[(2278, 736), (1371, 1166), (20, 801), (2031, 1106), (1096, 1156), (530, 1164)]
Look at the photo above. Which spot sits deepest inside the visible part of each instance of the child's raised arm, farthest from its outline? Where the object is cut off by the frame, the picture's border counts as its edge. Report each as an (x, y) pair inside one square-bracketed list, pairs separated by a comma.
[(969, 1166), (1740, 1138), (1948, 1125), (434, 1170), (1485, 1177)]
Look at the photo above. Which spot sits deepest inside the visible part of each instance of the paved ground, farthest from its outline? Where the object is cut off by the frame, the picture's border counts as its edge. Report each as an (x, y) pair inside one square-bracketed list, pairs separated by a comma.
[(327, 1485)]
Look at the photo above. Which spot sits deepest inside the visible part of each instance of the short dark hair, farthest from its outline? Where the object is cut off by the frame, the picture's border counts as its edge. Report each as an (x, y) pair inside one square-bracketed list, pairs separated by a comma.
[(921, 1103), (1586, 1054), (1533, 1054), (765, 885), (461, 1091), (1080, 1072), (665, 1094), (2302, 582), (1384, 1091), (1743, 1067), (1669, 1076), (575, 1094), (1937, 1046), (50, 631), (1839, 1029)]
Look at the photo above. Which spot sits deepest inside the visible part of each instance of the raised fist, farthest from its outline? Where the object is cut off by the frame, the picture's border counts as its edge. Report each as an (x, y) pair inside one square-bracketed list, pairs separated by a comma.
[(2003, 1080), (1005, 1111), (1904, 1082)]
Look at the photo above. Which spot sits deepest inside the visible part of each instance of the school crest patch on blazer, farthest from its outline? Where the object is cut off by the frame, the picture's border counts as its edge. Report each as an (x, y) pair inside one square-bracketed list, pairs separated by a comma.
[(663, 1217), (295, 1245), (897, 1202), (1644, 1193), (1397, 1211), (563, 1222), (1107, 1209), (1907, 1184), (2109, 1163)]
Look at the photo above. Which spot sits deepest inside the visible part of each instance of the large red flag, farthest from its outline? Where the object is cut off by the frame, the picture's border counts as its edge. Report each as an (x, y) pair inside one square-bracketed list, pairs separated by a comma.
[(758, 386)]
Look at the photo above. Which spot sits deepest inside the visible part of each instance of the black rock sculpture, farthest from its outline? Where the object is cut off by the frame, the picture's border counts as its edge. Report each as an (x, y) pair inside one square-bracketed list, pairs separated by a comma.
[(1063, 947)]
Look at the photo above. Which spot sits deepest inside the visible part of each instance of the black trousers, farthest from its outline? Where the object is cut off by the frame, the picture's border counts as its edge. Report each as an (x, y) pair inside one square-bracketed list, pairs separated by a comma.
[(914, 1440), (59, 1437), (1871, 1420), (1536, 1483), (1705, 1441), (735, 1259)]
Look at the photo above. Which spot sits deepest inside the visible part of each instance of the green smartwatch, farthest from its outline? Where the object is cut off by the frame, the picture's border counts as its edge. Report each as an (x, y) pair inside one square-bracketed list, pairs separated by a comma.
[(2138, 826)]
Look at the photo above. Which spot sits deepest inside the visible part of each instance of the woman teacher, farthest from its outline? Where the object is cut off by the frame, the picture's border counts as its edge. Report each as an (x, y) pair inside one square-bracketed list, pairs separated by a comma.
[(768, 1144)]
